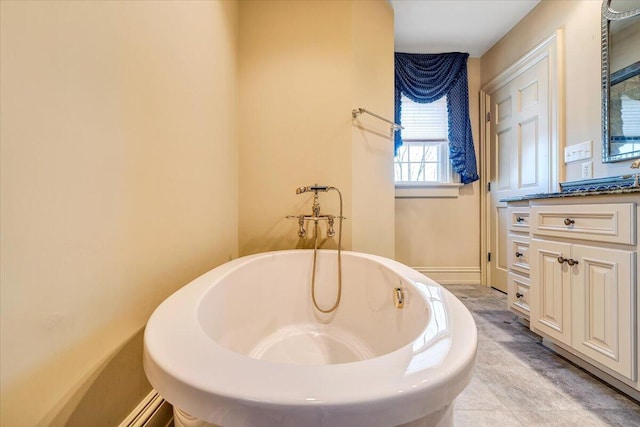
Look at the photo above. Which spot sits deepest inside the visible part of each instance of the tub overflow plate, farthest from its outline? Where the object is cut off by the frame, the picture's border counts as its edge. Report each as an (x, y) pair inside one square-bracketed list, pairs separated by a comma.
[(398, 297)]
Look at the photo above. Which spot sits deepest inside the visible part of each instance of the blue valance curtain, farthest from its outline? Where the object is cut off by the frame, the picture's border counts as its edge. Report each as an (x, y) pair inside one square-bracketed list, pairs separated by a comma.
[(428, 77)]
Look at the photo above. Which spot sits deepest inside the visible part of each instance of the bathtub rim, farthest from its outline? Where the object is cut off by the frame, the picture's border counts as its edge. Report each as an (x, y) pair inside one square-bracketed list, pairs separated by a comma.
[(360, 388)]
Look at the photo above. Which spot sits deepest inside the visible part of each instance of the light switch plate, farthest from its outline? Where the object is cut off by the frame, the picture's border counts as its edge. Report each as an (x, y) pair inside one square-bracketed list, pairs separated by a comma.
[(577, 152)]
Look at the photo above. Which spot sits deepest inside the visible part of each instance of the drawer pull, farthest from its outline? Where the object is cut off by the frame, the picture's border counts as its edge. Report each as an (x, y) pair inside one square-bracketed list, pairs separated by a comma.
[(569, 221), (519, 219), (519, 295), (562, 260), (518, 254)]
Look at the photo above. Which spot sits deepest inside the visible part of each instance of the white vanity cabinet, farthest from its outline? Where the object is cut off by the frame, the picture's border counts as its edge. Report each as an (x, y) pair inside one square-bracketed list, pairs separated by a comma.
[(584, 279), (587, 305)]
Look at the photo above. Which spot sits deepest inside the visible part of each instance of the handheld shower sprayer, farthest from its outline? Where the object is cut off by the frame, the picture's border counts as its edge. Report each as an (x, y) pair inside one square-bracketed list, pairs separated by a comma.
[(316, 188)]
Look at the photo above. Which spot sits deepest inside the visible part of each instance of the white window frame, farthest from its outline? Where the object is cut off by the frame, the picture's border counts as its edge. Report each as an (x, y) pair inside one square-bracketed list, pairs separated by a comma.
[(447, 185)]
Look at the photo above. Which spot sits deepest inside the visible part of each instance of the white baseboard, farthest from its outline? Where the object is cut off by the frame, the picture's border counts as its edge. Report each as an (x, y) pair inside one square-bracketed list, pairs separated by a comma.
[(153, 411), (452, 275)]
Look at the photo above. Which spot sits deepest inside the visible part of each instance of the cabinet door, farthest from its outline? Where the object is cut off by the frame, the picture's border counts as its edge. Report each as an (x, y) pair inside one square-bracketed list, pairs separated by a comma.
[(550, 289), (604, 326)]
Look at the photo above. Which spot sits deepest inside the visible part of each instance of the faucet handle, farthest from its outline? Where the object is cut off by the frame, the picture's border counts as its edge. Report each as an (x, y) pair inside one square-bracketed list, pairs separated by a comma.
[(636, 178)]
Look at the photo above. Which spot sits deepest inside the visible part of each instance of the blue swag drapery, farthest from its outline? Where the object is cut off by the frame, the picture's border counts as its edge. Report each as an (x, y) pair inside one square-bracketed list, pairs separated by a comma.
[(428, 77)]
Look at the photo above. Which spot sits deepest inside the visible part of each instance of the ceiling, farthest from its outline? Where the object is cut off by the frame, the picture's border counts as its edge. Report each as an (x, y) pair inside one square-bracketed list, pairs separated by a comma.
[(473, 26)]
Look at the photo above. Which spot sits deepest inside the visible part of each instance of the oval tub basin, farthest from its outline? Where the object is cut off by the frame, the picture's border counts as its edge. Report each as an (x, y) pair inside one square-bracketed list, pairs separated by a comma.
[(242, 345)]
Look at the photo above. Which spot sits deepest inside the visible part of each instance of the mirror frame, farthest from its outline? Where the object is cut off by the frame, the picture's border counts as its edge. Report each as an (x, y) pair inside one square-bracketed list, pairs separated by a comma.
[(607, 16)]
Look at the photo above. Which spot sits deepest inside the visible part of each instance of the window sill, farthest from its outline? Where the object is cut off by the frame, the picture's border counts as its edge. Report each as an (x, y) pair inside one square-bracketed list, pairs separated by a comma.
[(407, 191)]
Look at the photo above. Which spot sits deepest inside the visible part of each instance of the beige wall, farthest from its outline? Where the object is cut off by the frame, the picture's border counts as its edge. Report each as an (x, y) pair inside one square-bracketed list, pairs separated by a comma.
[(299, 63), (580, 20), (372, 147), (441, 236), (118, 186)]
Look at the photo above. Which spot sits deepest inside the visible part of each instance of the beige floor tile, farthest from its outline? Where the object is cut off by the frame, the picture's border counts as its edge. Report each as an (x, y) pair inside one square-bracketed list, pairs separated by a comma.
[(485, 419)]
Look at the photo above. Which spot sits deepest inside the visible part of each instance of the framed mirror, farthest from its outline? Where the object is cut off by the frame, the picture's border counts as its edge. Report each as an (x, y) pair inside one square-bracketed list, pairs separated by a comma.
[(620, 80)]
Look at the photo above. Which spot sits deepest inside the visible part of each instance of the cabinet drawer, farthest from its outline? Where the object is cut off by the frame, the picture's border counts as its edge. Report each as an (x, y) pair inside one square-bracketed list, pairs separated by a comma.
[(519, 254), (519, 219), (613, 223), (518, 293)]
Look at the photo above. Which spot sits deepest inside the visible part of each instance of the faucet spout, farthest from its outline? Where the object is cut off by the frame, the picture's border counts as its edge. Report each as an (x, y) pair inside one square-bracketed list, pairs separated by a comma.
[(316, 204)]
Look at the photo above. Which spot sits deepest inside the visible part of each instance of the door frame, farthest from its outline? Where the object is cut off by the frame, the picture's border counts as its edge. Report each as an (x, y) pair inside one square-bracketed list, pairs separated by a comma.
[(552, 48)]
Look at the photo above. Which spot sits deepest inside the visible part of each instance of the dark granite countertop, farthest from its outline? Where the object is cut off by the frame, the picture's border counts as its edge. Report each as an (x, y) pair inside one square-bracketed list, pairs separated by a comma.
[(591, 187), (572, 194)]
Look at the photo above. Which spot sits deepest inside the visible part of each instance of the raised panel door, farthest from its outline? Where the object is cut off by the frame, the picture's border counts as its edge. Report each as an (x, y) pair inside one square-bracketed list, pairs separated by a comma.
[(519, 139), (603, 305), (550, 289)]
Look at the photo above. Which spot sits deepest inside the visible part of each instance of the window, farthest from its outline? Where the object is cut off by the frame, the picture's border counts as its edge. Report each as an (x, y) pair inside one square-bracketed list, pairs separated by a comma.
[(427, 77), (423, 158)]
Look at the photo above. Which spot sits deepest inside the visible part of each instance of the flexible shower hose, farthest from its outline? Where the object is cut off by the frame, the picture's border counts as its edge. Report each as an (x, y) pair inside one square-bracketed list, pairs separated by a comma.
[(315, 254)]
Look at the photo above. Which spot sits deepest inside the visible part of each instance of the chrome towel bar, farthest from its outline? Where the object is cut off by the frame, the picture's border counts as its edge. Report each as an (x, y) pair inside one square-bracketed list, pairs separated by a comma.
[(394, 126)]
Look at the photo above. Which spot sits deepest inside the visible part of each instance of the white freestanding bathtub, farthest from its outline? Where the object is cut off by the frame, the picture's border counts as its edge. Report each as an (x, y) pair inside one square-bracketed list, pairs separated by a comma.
[(243, 346)]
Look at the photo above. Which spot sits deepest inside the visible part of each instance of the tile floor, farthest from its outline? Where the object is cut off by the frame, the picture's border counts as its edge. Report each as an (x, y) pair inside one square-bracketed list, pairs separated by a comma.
[(518, 382)]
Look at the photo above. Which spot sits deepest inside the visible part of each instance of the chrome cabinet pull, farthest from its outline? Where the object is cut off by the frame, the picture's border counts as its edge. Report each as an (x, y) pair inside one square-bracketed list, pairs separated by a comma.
[(569, 221)]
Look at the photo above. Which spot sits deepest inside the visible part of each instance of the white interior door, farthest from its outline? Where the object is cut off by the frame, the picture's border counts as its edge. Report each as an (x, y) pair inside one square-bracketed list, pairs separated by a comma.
[(520, 154)]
